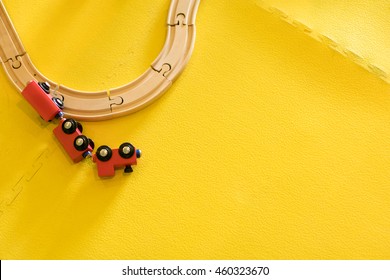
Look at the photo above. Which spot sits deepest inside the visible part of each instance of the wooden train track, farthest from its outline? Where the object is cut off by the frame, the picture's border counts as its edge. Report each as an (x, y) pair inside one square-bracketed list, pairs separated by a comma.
[(115, 102)]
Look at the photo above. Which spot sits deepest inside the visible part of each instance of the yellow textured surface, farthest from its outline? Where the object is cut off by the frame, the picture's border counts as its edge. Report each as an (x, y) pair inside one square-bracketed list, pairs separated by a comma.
[(359, 29), (269, 146)]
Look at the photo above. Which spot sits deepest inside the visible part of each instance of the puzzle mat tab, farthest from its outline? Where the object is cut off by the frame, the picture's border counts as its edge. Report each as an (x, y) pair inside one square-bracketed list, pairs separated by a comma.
[(358, 29)]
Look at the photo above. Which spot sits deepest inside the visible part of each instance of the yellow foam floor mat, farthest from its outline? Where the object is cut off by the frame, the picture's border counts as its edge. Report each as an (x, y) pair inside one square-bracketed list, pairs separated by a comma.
[(357, 29), (269, 146)]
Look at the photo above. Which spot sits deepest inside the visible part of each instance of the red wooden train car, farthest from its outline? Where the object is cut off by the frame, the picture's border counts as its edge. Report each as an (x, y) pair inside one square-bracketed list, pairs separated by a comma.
[(38, 95), (108, 159), (77, 145)]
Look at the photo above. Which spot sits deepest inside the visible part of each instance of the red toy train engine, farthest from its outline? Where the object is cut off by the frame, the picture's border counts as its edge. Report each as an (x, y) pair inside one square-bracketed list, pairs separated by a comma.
[(69, 133), (38, 95), (108, 160)]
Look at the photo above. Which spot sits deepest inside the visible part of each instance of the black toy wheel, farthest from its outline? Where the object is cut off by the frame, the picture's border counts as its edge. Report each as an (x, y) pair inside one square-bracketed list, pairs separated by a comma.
[(58, 102), (91, 143), (45, 86), (126, 150), (104, 153), (80, 127), (69, 126), (81, 143)]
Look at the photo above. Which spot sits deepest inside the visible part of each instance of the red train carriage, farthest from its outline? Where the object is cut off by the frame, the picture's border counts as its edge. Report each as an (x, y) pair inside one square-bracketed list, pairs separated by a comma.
[(38, 95), (69, 133), (108, 159)]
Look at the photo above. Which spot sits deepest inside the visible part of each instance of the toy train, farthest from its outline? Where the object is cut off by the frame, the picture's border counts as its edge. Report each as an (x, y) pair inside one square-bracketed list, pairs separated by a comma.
[(69, 133), (38, 95), (107, 159), (77, 145)]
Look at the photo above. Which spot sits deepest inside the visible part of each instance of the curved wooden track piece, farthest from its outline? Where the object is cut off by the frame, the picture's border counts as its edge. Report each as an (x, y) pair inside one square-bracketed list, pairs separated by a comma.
[(116, 102)]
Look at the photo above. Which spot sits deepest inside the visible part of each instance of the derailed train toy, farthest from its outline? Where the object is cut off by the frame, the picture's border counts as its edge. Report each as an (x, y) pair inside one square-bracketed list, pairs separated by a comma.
[(69, 133), (108, 159), (38, 95)]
